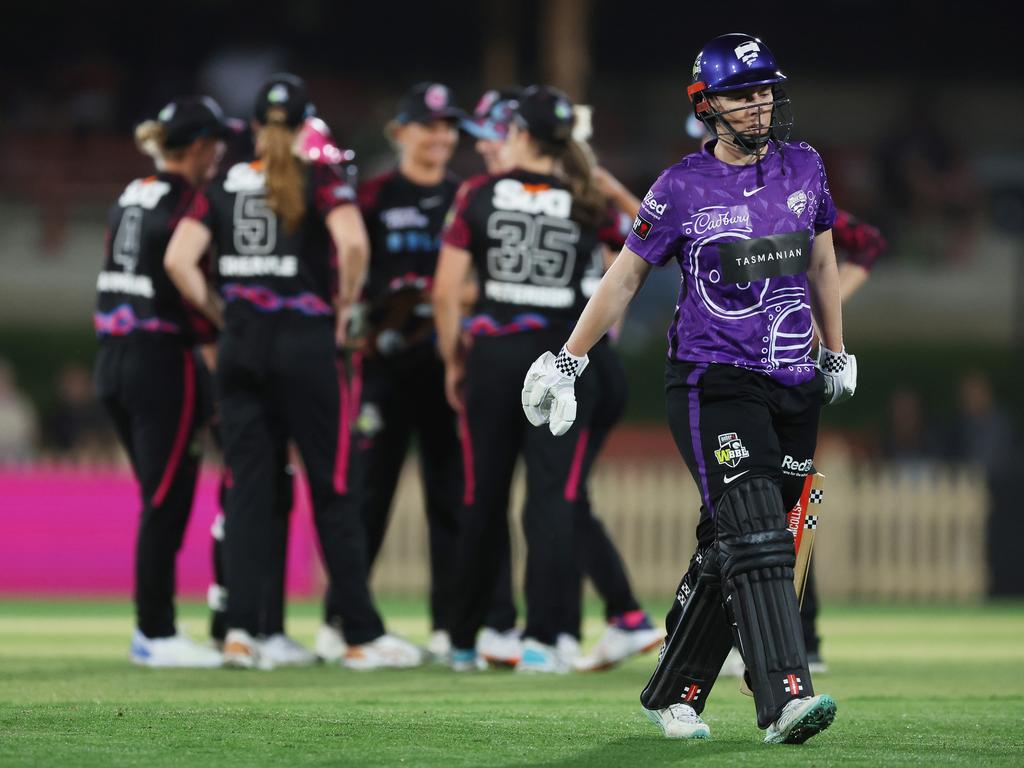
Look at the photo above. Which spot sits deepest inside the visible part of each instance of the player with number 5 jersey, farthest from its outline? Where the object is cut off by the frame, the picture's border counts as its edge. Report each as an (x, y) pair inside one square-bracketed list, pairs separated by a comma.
[(275, 226)]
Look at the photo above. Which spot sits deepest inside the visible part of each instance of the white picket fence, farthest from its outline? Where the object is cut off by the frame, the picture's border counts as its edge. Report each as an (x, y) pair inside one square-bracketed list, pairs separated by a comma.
[(882, 533)]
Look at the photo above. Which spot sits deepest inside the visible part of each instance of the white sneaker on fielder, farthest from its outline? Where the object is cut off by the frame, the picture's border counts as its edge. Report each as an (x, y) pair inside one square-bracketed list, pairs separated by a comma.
[(568, 648), (466, 660), (540, 658), (616, 645), (502, 649), (386, 652), (283, 651), (329, 644), (679, 721), (802, 718), (176, 651), (242, 651), (439, 646)]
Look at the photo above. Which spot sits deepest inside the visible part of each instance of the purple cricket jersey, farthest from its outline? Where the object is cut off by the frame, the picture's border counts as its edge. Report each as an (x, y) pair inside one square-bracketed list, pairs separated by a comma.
[(742, 236)]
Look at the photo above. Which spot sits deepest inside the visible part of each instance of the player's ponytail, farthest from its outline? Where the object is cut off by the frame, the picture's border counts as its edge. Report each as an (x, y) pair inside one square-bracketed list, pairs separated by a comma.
[(577, 166), (285, 179), (149, 138)]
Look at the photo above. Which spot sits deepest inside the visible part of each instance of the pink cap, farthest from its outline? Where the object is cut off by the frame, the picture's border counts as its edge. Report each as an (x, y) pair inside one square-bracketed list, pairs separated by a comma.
[(314, 144)]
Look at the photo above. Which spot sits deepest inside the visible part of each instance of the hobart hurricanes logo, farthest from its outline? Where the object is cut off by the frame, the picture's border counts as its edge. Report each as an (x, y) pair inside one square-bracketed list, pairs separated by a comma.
[(731, 450)]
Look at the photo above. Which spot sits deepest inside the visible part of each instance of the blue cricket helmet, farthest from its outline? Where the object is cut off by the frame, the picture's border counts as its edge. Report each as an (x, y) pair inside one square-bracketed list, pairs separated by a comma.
[(732, 62)]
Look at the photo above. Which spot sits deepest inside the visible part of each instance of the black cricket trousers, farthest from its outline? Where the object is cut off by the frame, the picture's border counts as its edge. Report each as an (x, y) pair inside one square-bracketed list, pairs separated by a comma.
[(403, 396), (279, 377), (152, 388), (495, 433)]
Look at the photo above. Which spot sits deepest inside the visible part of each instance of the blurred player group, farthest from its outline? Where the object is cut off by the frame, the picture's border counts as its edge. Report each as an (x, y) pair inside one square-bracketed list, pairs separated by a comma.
[(305, 316)]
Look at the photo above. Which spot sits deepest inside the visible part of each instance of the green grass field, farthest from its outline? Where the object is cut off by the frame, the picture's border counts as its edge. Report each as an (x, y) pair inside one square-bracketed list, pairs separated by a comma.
[(916, 685)]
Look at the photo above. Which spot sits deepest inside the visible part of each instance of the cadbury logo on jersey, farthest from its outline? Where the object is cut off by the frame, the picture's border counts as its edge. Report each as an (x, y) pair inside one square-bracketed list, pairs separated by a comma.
[(514, 195)]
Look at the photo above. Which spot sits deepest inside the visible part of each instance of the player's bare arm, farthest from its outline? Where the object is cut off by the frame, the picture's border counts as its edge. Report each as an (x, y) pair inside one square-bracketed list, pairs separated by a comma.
[(349, 235), (453, 267), (190, 241), (608, 304)]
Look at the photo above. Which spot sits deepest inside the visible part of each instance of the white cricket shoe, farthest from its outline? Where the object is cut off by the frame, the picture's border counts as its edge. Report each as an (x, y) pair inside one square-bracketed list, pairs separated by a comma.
[(568, 648), (540, 658), (733, 666), (242, 651), (679, 721), (283, 651), (439, 646), (387, 651), (329, 645), (616, 645), (466, 660), (802, 718), (501, 649), (176, 651)]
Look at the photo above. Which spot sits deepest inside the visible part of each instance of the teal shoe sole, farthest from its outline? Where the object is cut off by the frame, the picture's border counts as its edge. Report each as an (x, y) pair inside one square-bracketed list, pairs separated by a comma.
[(814, 721)]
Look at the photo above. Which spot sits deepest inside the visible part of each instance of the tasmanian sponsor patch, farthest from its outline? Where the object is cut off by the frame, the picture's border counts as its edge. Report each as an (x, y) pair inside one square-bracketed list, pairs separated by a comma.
[(745, 261), (641, 227)]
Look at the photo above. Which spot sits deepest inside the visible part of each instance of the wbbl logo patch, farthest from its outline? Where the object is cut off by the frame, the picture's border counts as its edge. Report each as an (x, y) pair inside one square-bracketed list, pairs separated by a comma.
[(731, 450)]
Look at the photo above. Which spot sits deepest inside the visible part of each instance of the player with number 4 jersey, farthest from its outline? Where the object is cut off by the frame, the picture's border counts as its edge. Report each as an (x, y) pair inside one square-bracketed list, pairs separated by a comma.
[(147, 373)]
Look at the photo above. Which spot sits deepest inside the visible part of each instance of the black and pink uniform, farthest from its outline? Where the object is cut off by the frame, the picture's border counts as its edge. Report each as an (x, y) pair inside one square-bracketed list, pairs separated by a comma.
[(150, 381), (279, 377)]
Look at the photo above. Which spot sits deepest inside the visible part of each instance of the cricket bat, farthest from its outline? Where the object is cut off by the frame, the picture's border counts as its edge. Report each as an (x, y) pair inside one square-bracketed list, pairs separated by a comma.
[(803, 524)]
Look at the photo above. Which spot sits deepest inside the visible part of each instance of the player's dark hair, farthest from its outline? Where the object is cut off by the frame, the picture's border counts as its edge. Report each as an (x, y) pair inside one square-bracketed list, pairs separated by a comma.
[(577, 169), (283, 171)]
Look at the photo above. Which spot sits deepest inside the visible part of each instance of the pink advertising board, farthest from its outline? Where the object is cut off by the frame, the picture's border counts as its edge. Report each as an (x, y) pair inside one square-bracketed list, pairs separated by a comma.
[(71, 531)]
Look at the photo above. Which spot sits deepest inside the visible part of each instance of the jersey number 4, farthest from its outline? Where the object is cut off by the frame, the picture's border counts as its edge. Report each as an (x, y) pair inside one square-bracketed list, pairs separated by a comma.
[(537, 249)]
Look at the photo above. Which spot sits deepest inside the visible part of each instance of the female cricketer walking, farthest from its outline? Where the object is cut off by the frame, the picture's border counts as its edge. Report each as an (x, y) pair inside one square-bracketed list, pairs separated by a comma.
[(275, 224), (402, 392), (530, 234), (748, 219), (146, 370)]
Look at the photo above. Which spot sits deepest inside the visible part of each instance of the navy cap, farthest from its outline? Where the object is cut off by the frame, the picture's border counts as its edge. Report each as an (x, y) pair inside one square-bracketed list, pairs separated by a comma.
[(546, 113), (427, 102), (288, 93), (192, 117)]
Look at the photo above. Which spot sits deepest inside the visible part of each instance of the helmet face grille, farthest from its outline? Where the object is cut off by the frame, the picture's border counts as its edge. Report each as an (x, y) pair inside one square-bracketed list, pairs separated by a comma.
[(719, 125)]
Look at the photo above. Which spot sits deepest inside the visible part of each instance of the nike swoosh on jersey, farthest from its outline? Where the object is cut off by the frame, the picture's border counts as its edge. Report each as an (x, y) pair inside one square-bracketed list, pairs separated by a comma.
[(754, 191), (735, 477)]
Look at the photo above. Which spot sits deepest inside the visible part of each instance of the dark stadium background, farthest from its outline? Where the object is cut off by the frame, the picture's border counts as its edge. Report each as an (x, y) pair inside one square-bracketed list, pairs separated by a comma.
[(872, 83)]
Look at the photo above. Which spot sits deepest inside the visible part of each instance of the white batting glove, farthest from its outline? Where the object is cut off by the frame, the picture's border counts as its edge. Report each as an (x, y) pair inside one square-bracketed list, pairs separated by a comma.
[(840, 372), (549, 394)]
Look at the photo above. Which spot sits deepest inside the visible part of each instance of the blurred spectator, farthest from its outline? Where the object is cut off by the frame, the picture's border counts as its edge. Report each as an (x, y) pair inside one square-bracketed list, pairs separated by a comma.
[(905, 442), (77, 425), (983, 435), (931, 194), (17, 419)]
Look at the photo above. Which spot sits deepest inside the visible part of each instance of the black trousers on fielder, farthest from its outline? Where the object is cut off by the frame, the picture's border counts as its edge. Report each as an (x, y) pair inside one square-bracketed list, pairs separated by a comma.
[(278, 378), (403, 396), (733, 427), (152, 388), (595, 554), (496, 434)]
